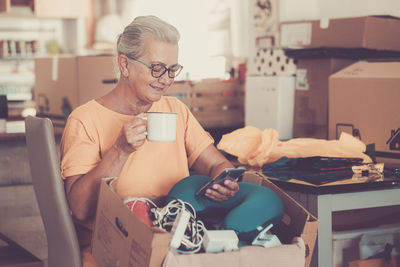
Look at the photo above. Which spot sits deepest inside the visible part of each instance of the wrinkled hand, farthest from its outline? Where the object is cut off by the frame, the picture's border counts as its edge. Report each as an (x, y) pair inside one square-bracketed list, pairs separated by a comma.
[(132, 135), (223, 192)]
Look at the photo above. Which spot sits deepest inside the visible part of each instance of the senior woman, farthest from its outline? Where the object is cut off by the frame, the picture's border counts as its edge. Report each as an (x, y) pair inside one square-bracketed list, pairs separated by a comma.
[(106, 137)]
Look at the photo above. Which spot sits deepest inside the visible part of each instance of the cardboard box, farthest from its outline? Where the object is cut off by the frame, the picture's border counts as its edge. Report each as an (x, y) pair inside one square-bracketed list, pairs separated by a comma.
[(370, 32), (297, 221), (363, 101), (120, 238), (269, 104), (311, 95), (218, 103), (66, 81)]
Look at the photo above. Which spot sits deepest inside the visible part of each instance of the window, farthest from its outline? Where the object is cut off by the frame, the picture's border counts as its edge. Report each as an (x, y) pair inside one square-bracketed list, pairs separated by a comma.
[(205, 28)]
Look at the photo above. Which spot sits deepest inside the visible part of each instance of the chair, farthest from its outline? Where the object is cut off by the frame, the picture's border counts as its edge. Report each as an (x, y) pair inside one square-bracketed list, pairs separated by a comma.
[(63, 247)]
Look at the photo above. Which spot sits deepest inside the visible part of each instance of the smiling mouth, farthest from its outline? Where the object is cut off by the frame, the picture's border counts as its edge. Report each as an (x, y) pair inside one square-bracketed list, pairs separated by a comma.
[(159, 89)]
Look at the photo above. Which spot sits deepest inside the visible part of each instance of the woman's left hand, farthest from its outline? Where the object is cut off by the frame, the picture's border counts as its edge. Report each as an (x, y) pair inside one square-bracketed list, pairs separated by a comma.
[(223, 192)]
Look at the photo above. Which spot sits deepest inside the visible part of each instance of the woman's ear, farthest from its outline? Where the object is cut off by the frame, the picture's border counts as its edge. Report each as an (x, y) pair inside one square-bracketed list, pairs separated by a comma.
[(123, 65)]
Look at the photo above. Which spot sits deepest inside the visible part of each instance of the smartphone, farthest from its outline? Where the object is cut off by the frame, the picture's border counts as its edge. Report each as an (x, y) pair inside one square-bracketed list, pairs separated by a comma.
[(231, 174)]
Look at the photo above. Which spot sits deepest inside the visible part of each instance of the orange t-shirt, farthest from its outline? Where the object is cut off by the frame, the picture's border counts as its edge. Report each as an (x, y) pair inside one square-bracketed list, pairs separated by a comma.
[(154, 168)]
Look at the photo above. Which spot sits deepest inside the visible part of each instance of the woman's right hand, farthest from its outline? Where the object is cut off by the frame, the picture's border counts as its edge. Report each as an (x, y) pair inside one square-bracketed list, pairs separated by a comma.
[(132, 135)]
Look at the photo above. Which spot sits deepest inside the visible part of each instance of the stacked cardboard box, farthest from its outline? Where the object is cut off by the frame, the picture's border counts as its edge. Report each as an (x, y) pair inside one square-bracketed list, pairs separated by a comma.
[(64, 82), (371, 32), (311, 95), (363, 99), (323, 47)]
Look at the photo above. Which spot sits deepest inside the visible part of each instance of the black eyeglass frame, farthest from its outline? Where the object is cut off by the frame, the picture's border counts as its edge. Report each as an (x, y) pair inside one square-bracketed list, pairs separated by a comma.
[(171, 74)]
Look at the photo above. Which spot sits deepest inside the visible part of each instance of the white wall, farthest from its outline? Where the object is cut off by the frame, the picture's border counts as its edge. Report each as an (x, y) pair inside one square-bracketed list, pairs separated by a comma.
[(354, 8), (315, 9), (290, 10)]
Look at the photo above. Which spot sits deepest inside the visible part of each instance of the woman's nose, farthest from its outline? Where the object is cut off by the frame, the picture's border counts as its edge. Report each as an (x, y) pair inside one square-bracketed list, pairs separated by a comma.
[(165, 79)]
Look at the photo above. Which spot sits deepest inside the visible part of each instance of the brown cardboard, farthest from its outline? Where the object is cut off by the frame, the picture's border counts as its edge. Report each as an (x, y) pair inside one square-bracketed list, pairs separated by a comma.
[(64, 82), (297, 221), (311, 96), (370, 32), (364, 101), (121, 239), (97, 75)]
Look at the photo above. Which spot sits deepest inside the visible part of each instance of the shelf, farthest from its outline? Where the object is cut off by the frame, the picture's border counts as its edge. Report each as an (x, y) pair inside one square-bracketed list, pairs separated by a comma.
[(57, 9), (16, 7), (21, 108), (19, 97), (25, 58), (17, 78)]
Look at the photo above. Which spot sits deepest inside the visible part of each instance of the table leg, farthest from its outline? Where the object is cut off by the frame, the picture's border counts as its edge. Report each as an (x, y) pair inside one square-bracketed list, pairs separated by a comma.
[(325, 230)]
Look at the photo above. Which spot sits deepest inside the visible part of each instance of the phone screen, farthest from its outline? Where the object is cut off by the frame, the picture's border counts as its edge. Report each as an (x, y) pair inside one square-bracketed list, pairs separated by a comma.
[(231, 174)]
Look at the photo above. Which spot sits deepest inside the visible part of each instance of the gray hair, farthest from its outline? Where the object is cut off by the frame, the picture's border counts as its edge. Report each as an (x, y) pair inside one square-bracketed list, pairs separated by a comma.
[(130, 42)]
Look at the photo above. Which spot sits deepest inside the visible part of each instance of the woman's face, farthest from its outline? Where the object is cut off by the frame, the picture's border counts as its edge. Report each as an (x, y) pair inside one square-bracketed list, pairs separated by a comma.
[(143, 85)]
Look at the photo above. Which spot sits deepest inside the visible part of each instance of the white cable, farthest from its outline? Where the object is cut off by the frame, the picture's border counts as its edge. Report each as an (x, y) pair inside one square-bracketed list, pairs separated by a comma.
[(193, 234), (136, 199), (165, 217)]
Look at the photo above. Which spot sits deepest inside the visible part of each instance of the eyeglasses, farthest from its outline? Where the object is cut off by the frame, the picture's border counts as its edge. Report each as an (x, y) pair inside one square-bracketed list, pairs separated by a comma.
[(158, 69)]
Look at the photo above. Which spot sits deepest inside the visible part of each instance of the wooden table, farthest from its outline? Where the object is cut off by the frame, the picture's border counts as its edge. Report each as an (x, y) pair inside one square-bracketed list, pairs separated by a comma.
[(348, 194)]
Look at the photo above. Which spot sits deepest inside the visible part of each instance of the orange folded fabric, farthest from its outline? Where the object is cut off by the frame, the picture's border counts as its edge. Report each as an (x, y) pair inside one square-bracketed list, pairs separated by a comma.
[(255, 147)]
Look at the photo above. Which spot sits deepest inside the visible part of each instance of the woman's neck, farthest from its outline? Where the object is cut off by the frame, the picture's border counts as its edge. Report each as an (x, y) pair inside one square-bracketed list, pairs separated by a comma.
[(119, 100)]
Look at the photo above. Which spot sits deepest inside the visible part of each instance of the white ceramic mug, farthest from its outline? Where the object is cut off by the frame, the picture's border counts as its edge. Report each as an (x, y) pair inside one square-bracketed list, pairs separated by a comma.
[(161, 126)]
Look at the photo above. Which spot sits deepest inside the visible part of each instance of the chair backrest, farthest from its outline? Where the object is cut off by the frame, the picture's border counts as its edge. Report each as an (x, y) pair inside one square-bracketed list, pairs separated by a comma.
[(63, 247)]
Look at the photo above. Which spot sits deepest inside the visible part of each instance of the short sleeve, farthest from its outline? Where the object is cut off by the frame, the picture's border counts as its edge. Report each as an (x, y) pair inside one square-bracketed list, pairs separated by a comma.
[(196, 138), (79, 150)]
